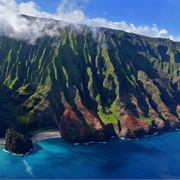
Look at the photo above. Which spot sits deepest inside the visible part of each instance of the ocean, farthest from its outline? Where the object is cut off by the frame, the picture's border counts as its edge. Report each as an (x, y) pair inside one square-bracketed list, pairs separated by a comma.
[(156, 157)]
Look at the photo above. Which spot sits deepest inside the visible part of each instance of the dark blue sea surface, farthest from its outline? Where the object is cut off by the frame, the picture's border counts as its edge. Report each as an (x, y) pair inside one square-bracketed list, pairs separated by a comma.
[(155, 157)]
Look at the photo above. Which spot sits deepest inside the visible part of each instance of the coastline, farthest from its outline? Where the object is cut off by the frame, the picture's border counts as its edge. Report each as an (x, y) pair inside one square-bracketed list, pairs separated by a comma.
[(48, 134), (39, 136)]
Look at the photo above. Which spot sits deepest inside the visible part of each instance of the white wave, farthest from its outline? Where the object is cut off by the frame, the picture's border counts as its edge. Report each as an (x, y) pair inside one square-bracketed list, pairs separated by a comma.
[(14, 154)]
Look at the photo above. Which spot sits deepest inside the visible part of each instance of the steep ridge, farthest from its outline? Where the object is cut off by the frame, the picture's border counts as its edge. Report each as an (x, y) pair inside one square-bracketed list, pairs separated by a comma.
[(91, 83)]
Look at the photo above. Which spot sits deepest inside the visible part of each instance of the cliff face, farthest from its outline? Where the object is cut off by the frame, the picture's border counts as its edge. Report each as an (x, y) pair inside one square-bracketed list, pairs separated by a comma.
[(90, 84)]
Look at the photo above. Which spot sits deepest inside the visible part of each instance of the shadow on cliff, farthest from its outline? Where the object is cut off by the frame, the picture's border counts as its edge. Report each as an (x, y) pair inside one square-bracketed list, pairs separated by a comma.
[(7, 109)]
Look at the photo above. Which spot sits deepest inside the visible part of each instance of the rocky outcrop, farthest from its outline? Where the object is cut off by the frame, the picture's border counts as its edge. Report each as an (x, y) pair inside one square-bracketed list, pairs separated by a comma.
[(73, 129), (132, 127), (17, 143)]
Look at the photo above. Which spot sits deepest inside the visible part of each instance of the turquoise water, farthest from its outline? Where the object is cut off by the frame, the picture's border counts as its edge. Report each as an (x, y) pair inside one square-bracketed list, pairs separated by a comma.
[(155, 157)]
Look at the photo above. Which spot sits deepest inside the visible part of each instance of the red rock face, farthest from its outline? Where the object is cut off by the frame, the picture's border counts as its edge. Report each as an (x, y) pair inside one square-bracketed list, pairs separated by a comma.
[(73, 129), (89, 117), (132, 127), (173, 120)]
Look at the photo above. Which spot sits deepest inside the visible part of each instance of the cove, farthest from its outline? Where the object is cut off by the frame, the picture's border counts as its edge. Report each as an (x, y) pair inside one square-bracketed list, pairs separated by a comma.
[(156, 157)]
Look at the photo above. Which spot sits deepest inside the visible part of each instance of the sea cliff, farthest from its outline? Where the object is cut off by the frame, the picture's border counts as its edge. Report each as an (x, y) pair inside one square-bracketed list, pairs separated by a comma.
[(91, 83)]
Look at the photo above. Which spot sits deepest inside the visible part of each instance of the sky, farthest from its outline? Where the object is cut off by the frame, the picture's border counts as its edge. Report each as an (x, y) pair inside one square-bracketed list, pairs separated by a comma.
[(154, 18)]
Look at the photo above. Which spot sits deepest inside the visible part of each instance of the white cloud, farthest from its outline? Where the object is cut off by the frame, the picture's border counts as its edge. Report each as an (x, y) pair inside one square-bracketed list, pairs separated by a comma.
[(177, 38), (15, 26)]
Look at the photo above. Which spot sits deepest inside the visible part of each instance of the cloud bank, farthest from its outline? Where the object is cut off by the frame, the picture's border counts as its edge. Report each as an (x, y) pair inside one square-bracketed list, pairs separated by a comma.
[(15, 26)]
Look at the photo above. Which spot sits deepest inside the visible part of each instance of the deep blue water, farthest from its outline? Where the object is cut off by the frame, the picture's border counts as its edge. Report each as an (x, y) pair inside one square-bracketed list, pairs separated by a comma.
[(155, 157)]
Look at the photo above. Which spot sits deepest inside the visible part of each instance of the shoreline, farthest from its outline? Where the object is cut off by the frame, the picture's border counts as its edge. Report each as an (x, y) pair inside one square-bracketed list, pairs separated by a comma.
[(2, 141), (45, 135), (48, 134), (39, 136)]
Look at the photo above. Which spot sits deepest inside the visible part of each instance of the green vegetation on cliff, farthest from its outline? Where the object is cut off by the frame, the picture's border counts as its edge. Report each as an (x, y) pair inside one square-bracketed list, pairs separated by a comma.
[(107, 75)]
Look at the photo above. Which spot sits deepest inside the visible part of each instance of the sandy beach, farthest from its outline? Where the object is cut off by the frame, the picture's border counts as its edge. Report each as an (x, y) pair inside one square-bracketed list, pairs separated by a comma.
[(40, 136), (2, 140), (45, 135)]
